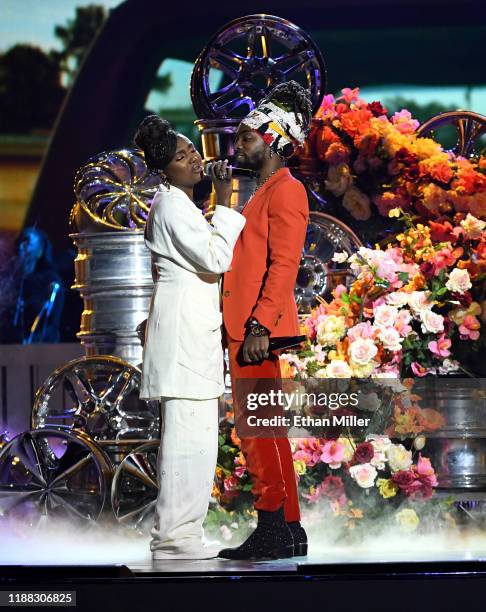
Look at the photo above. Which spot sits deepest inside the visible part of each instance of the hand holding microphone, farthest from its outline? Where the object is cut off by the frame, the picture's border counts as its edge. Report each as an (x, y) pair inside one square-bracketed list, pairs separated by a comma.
[(221, 175)]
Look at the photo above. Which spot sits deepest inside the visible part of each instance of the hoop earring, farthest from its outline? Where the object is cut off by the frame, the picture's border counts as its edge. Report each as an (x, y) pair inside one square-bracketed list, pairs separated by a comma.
[(164, 179)]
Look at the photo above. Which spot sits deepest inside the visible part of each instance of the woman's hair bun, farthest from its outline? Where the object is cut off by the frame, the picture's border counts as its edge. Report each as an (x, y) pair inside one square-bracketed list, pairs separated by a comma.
[(158, 140)]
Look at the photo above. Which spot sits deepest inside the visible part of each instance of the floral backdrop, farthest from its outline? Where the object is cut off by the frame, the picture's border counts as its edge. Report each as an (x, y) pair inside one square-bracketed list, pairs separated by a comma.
[(416, 307)]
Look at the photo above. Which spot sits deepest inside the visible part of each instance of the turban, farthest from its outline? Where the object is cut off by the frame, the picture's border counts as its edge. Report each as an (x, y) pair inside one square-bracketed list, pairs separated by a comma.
[(281, 129)]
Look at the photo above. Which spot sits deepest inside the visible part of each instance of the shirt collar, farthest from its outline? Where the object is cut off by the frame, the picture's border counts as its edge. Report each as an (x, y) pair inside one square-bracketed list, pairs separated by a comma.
[(273, 179)]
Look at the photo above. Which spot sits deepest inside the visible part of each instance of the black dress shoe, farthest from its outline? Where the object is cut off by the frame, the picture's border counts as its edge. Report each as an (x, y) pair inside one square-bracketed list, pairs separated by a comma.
[(300, 539), (272, 539)]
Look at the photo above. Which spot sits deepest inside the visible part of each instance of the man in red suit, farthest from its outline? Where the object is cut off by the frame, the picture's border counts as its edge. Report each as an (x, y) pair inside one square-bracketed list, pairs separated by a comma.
[(258, 303)]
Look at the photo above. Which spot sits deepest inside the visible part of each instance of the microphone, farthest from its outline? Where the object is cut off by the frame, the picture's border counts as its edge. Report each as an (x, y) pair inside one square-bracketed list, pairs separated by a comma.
[(235, 171)]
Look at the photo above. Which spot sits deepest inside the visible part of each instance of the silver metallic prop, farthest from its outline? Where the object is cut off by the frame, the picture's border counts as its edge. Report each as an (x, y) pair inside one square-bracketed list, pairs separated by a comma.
[(458, 449), (134, 487), (254, 53), (59, 474), (113, 275), (99, 396), (470, 128), (113, 192), (318, 275)]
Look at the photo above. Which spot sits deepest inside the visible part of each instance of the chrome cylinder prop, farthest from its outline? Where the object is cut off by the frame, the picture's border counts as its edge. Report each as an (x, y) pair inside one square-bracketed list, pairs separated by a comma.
[(113, 276), (458, 449)]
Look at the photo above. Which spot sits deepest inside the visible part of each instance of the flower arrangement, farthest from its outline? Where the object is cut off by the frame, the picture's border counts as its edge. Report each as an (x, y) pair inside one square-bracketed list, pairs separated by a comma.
[(415, 308), (343, 480), (355, 481), (371, 161)]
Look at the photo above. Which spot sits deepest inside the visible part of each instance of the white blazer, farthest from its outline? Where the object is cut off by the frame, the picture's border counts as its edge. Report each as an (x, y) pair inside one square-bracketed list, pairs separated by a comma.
[(183, 354)]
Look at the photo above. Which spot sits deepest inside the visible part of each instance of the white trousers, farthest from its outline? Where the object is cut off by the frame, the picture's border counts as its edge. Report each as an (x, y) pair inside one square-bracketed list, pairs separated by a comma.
[(187, 462)]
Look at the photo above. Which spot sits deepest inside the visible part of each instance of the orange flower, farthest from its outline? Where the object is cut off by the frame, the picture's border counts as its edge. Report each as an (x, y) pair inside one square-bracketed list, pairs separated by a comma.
[(287, 370), (234, 438), (356, 121)]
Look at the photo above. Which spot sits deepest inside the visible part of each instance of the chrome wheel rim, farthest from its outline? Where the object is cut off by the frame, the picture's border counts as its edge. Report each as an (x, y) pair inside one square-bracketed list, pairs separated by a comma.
[(53, 473), (135, 487), (99, 396), (254, 53)]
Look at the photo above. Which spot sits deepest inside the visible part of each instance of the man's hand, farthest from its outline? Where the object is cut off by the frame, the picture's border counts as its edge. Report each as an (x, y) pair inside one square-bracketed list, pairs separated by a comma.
[(255, 348)]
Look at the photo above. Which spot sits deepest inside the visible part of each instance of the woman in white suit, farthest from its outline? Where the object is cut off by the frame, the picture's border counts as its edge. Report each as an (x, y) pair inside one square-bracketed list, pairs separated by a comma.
[(183, 354)]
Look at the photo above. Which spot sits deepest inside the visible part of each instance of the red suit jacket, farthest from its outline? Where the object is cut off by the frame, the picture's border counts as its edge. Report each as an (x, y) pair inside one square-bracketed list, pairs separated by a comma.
[(266, 259)]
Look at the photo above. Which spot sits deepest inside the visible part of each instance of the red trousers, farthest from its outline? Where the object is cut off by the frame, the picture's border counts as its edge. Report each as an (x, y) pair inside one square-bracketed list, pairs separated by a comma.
[(268, 460)]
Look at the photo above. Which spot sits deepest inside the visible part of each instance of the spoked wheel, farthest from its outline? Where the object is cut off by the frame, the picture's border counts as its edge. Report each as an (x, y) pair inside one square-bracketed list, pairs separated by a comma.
[(470, 129), (114, 190), (53, 473), (97, 395), (134, 488), (318, 274), (254, 54)]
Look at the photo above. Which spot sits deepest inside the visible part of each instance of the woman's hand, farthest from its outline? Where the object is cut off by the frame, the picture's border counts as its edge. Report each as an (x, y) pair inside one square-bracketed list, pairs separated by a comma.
[(222, 180)]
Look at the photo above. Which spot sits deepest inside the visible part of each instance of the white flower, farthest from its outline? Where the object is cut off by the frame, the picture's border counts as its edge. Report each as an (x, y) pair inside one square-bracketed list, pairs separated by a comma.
[(390, 380), (397, 298), (339, 179), (340, 257), (338, 368), (391, 339), (364, 474), (419, 302), (419, 442), (448, 365), (399, 457), (357, 204), (385, 316), (458, 281), (363, 371), (348, 449), (362, 350), (380, 443), (379, 459), (432, 322), (473, 227), (331, 330)]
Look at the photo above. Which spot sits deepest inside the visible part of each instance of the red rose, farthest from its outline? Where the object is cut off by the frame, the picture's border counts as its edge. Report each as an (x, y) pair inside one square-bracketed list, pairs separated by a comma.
[(403, 478), (464, 299), (377, 109), (428, 269), (364, 452)]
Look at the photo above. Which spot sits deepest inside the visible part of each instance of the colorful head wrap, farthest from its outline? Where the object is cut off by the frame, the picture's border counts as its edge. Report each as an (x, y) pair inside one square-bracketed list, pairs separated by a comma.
[(280, 128)]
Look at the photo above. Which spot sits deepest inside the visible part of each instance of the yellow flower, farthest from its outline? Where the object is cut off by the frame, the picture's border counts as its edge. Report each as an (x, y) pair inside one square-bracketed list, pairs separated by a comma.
[(458, 315), (407, 519), (349, 448), (387, 487), (426, 147), (300, 467), (395, 212)]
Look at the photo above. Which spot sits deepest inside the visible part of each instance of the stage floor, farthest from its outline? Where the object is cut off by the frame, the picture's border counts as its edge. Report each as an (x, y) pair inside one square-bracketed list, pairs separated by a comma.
[(105, 545)]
